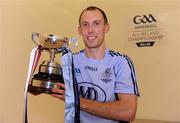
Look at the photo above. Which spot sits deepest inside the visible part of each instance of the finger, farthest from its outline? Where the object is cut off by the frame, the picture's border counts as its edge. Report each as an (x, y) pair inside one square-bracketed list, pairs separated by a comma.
[(60, 85), (58, 91), (61, 97)]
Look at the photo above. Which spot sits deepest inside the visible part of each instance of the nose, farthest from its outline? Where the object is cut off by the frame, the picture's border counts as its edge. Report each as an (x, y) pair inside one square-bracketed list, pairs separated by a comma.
[(91, 29)]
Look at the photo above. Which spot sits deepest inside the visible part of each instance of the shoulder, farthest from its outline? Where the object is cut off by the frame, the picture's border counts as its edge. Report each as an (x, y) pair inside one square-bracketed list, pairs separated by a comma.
[(115, 54), (119, 57), (78, 53)]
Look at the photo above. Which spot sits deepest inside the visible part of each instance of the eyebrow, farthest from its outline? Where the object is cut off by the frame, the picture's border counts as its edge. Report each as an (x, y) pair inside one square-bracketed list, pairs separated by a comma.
[(98, 21), (93, 21)]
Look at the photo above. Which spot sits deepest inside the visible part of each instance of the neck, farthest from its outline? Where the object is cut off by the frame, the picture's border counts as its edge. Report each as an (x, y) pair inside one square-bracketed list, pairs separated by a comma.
[(96, 53)]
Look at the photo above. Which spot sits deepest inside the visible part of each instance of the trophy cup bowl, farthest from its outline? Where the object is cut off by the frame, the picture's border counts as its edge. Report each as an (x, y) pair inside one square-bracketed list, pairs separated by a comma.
[(50, 72)]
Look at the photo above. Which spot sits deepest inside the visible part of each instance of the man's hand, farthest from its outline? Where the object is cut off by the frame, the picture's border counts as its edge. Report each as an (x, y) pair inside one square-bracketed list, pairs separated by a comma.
[(122, 109), (59, 92)]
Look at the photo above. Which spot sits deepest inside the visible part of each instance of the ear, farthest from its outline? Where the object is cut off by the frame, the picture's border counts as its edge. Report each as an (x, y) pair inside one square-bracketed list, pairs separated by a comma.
[(107, 27), (79, 30)]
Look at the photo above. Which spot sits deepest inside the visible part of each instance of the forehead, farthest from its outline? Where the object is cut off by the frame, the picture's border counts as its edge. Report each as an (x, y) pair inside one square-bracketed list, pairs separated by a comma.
[(91, 15)]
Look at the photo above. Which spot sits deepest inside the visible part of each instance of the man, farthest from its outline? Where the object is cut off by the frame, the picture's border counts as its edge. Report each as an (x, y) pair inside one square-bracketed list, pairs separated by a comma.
[(106, 79)]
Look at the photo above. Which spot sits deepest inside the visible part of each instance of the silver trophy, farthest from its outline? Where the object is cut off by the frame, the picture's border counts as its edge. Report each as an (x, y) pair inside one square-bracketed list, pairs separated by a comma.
[(50, 71)]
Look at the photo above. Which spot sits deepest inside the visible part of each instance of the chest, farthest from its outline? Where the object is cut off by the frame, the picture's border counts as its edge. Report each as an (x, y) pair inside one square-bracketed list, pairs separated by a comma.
[(96, 81)]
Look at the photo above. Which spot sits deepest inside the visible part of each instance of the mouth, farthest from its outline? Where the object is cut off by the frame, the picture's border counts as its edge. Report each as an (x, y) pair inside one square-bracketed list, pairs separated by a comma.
[(91, 37)]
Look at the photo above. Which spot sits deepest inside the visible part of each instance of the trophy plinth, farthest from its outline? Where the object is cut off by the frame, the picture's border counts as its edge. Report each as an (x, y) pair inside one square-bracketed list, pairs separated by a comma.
[(50, 72)]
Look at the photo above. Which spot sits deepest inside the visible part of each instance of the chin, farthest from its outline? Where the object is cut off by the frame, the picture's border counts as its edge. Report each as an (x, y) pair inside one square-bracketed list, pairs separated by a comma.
[(92, 47)]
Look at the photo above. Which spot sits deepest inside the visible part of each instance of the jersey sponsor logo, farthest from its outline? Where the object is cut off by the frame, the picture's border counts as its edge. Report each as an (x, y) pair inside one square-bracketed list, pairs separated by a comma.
[(91, 68), (107, 75), (91, 91)]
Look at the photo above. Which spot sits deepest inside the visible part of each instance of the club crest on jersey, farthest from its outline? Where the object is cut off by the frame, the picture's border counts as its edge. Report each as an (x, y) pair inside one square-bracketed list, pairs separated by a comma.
[(107, 75), (77, 71)]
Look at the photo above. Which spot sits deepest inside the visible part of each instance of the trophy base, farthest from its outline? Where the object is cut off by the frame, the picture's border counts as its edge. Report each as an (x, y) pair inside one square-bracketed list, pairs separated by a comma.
[(41, 86), (38, 90), (44, 82)]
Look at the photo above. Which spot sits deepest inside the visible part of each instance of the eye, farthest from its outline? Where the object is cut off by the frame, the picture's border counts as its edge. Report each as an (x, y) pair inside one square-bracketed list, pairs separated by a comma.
[(84, 24), (97, 23)]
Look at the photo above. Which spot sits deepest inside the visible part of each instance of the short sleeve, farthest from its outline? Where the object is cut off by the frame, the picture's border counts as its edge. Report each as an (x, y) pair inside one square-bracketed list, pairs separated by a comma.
[(125, 77)]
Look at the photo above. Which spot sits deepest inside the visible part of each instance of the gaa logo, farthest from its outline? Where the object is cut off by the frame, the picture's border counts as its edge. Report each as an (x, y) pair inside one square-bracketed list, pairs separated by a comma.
[(144, 19)]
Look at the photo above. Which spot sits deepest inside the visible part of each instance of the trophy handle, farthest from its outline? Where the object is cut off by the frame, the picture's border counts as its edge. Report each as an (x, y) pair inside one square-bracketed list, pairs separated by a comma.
[(73, 42), (34, 37)]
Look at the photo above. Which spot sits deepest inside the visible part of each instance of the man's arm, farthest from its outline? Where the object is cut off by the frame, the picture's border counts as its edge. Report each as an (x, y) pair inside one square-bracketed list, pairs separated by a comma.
[(122, 109)]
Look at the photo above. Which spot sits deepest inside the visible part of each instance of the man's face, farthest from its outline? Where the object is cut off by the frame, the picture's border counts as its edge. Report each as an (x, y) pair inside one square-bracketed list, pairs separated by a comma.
[(93, 28)]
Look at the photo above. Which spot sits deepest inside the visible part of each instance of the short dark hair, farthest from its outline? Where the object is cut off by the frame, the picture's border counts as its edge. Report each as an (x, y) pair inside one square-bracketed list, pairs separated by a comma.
[(90, 8)]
